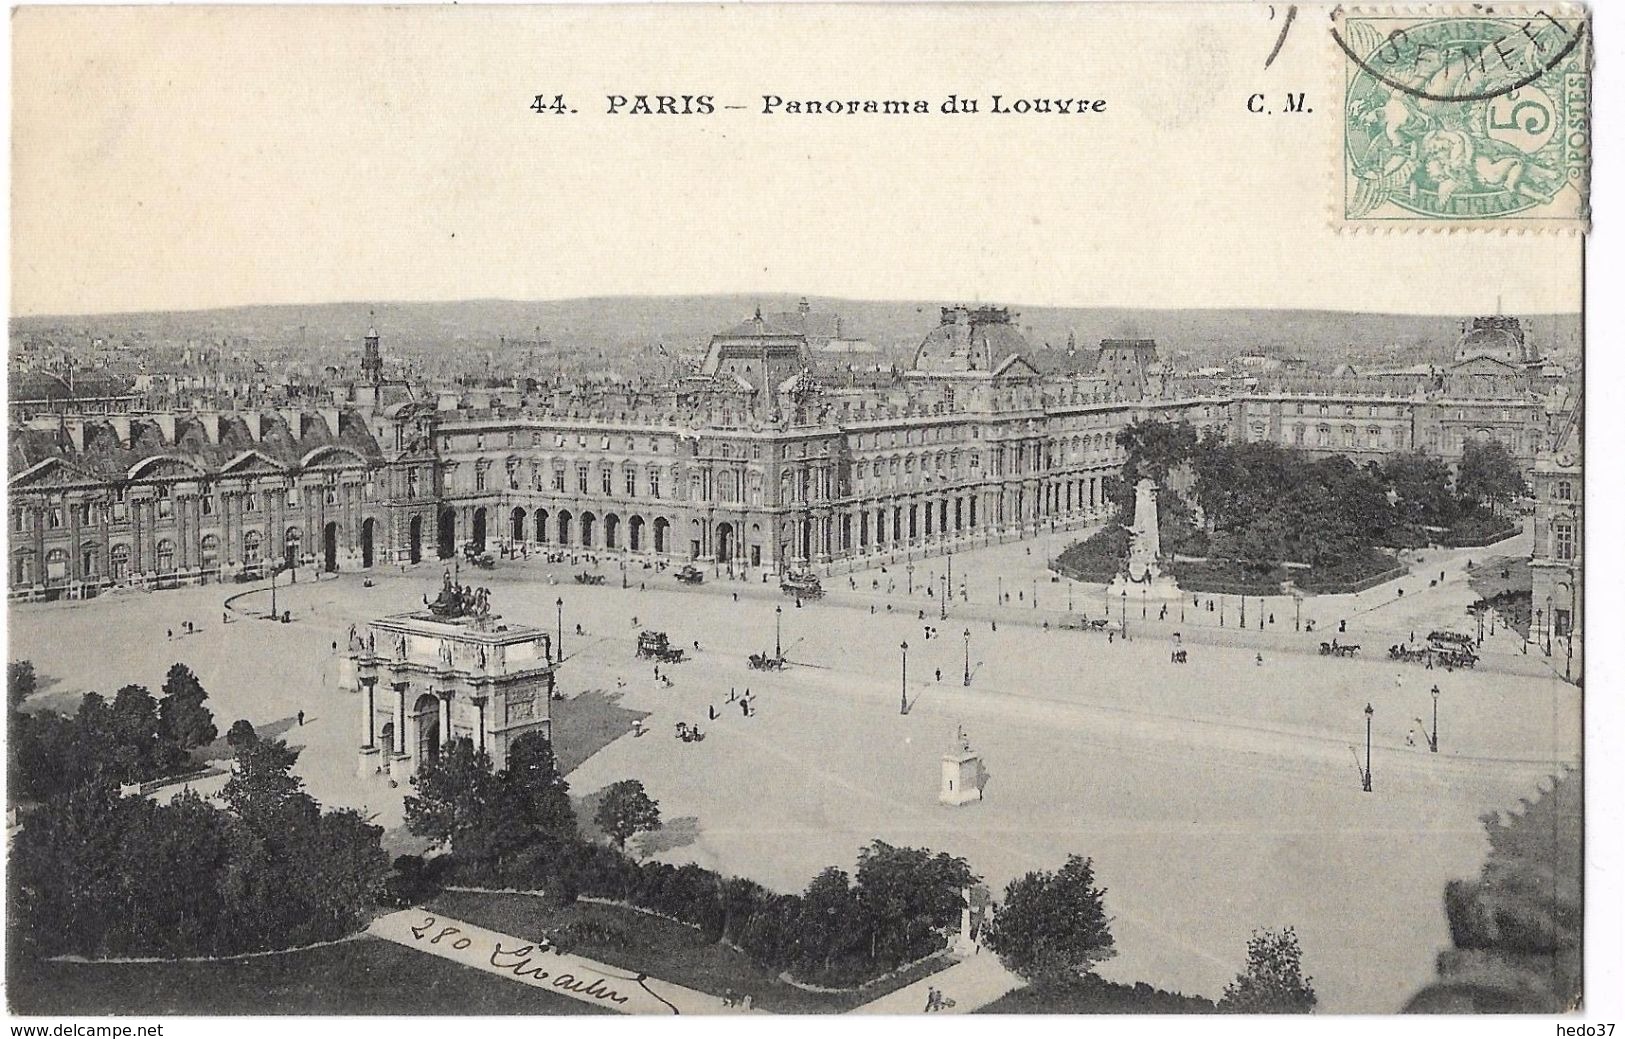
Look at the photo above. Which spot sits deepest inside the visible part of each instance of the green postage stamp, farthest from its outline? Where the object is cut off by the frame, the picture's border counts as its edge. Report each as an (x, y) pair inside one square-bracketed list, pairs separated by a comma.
[(1457, 118)]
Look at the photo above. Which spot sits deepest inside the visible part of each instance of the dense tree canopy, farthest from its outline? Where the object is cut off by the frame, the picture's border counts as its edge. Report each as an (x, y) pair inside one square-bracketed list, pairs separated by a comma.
[(492, 820), (1053, 923), (1488, 477), (98, 874)]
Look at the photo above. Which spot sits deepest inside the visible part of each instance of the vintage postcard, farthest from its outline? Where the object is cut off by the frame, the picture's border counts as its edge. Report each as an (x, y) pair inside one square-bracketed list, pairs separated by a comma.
[(871, 509)]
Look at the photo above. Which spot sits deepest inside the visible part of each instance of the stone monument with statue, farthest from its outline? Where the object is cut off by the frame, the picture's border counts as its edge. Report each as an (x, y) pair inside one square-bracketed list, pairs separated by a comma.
[(1143, 576), (961, 773)]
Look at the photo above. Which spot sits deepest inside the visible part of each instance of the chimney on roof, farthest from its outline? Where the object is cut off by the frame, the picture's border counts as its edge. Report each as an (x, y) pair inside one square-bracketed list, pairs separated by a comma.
[(295, 420), (74, 427)]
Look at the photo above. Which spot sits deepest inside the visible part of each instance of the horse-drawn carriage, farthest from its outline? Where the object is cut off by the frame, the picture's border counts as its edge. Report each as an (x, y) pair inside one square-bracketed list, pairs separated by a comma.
[(585, 578), (655, 645), (1409, 654), (1338, 649), (801, 583), (691, 574), (477, 556), (763, 662), (1450, 641)]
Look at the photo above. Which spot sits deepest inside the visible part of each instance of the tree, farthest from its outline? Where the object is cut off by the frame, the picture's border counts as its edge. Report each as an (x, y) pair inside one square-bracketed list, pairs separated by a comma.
[(1154, 448), (240, 734), (1421, 487), (1053, 925), (910, 899), (264, 792), (625, 810), (538, 786), (142, 752), (1273, 981), (182, 717), (1488, 476), (21, 683), (452, 793), (829, 929)]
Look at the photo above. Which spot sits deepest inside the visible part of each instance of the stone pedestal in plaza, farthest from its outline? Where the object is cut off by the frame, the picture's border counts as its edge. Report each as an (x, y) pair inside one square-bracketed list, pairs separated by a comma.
[(961, 773), (369, 761)]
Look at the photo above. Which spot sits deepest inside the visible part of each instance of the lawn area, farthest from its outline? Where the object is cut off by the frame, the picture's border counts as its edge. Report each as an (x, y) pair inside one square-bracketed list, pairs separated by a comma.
[(661, 948), (363, 976)]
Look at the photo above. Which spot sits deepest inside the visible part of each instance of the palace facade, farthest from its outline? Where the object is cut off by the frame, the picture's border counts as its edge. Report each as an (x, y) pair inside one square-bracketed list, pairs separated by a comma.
[(760, 459)]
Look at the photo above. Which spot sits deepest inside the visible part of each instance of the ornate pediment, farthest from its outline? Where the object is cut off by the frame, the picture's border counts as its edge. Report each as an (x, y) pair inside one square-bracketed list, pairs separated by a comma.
[(333, 457), (52, 473), (165, 467), (253, 463)]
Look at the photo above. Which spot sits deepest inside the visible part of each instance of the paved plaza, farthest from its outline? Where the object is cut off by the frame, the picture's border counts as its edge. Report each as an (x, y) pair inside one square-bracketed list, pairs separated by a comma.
[(1215, 796)]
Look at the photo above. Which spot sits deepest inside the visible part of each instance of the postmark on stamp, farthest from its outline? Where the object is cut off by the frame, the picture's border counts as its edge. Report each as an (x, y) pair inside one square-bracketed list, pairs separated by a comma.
[(1457, 118)]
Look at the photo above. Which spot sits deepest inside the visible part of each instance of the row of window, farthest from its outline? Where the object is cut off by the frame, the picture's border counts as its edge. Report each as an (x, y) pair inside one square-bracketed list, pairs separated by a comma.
[(164, 557), (117, 510)]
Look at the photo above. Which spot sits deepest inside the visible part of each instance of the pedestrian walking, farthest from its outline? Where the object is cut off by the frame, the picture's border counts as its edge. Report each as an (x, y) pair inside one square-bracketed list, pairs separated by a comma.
[(301, 719), (939, 674), (169, 633), (711, 712)]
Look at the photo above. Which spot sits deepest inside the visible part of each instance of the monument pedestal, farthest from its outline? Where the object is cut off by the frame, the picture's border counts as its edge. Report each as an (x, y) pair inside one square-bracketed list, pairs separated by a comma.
[(1158, 588), (368, 762), (961, 778)]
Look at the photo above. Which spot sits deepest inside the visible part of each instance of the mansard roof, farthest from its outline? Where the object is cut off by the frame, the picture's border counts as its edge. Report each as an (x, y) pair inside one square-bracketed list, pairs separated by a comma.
[(121, 448)]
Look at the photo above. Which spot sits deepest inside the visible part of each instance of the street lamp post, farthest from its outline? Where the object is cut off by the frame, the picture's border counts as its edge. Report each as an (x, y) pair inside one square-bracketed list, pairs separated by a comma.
[(1069, 595), (560, 605), (1365, 779), (1122, 616), (1000, 601), (778, 639), (274, 572), (1243, 609), (967, 657), (910, 569), (903, 709), (1035, 593), (1433, 740), (1297, 614)]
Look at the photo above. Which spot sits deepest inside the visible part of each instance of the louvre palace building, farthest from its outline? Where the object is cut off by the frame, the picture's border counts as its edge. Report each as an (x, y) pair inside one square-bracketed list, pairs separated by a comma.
[(768, 452)]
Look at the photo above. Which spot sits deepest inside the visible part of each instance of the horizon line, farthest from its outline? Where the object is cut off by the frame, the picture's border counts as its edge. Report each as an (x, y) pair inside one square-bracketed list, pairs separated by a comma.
[(900, 301)]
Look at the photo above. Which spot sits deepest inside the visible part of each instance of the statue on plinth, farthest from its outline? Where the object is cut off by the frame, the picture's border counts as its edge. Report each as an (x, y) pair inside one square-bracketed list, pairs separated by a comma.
[(1143, 575)]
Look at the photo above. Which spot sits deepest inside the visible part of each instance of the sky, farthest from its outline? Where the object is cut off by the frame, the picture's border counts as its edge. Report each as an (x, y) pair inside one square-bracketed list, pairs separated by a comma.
[(182, 158)]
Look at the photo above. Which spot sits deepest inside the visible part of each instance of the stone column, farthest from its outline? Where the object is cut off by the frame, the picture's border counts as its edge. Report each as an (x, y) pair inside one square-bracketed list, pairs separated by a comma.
[(479, 705), (369, 730), (368, 759), (400, 719), (445, 696)]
